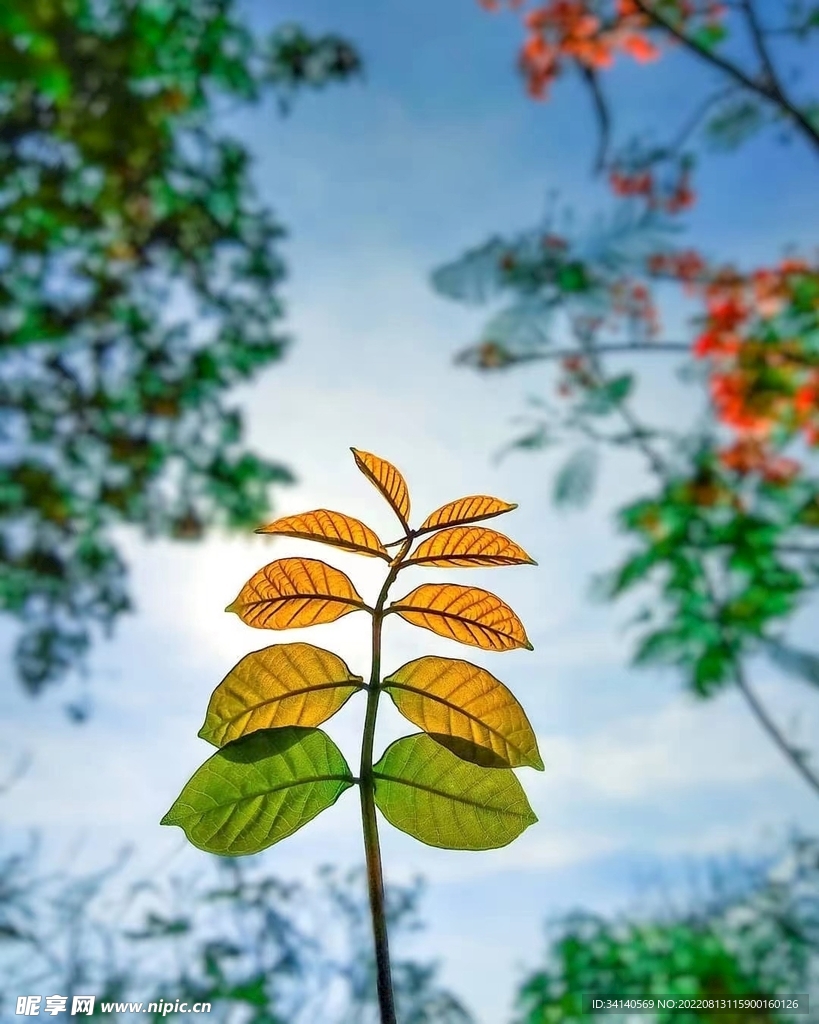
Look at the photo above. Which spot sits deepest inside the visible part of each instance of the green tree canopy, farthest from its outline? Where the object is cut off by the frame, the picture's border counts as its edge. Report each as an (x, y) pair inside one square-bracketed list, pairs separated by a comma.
[(138, 283), (754, 932)]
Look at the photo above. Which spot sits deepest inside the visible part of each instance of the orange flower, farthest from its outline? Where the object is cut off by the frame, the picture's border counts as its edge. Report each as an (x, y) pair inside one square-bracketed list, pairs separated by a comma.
[(730, 394), (686, 266), (641, 184), (750, 456), (716, 343), (638, 47)]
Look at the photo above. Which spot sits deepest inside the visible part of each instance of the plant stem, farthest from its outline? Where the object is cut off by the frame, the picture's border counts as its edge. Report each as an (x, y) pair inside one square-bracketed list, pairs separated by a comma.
[(369, 821)]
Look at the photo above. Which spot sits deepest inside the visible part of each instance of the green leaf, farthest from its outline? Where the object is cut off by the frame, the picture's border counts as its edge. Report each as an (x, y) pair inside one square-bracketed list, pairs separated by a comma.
[(602, 400), (660, 646), (802, 664), (574, 483), (712, 668), (260, 789), (427, 791), (734, 123), (572, 277), (708, 36)]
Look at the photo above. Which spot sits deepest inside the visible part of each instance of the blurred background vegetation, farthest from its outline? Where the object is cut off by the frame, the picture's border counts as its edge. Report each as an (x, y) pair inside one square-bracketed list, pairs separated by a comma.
[(140, 281)]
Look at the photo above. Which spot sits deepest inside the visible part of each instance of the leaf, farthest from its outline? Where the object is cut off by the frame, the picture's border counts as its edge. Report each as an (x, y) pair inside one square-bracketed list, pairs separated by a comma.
[(469, 546), (574, 482), (708, 36), (735, 123), (330, 528), (523, 327), (467, 614), (425, 790), (476, 276), (466, 709), (259, 790), (537, 439), (471, 509), (572, 277), (605, 399), (388, 480), (295, 592), (286, 684), (794, 661)]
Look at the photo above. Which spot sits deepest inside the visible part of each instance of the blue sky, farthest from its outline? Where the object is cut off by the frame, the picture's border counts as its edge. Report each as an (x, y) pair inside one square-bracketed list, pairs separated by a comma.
[(378, 183)]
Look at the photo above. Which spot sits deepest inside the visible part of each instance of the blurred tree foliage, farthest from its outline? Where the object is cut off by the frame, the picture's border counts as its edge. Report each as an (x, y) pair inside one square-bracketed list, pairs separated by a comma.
[(138, 284), (268, 952), (763, 940), (724, 541), (260, 950)]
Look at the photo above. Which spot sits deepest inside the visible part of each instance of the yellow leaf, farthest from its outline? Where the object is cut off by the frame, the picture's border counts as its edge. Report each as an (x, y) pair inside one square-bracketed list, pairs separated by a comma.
[(471, 509), (295, 592), (286, 684), (469, 546), (388, 480), (467, 614), (330, 528), (466, 709)]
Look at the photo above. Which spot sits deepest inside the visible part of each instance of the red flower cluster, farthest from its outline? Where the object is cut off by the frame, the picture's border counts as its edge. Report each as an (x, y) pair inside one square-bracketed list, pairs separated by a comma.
[(634, 301), (643, 183), (764, 378), (686, 266), (561, 30), (570, 29), (749, 455), (577, 375)]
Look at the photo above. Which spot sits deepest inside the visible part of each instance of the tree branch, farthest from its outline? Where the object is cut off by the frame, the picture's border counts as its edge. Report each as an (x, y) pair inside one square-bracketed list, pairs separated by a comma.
[(603, 116), (761, 47), (615, 348), (791, 753), (768, 90)]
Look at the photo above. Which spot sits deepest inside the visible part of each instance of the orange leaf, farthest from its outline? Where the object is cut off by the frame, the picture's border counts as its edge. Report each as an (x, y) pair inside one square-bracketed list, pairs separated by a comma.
[(295, 592), (469, 546), (467, 614), (465, 510), (388, 480), (330, 528)]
